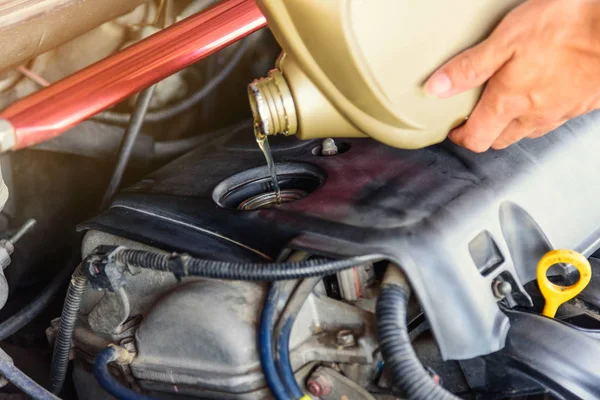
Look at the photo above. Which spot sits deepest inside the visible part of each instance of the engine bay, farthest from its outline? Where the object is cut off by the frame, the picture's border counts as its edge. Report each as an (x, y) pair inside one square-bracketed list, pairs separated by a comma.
[(366, 199), (146, 254)]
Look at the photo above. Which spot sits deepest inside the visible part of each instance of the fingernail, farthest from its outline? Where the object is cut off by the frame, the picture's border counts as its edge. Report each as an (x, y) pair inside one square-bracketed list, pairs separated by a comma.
[(439, 84)]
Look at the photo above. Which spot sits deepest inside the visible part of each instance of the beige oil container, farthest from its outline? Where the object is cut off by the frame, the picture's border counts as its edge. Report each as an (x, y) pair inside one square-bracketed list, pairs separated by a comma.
[(355, 68)]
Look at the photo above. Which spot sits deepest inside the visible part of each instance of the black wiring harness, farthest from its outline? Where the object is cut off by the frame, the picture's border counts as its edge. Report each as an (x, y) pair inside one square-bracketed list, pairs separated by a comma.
[(105, 266)]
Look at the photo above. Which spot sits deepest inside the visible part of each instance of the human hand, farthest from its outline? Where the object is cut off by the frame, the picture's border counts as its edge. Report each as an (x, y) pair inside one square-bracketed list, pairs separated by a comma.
[(542, 68)]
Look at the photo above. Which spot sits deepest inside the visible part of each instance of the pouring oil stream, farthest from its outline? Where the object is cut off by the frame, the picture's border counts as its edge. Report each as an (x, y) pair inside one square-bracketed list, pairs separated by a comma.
[(263, 142)]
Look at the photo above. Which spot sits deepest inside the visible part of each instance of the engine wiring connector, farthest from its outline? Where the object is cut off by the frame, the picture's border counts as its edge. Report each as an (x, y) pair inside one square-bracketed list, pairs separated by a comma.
[(102, 270)]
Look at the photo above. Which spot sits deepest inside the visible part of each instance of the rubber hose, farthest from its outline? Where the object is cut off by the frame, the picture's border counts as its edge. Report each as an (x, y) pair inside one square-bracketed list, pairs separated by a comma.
[(174, 148), (284, 365), (98, 140), (186, 104), (265, 344), (284, 331), (23, 382), (23, 317), (408, 374), (128, 144), (184, 265), (108, 382), (64, 338)]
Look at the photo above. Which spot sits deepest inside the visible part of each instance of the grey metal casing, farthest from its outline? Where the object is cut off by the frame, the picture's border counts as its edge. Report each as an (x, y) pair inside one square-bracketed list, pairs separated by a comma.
[(201, 335)]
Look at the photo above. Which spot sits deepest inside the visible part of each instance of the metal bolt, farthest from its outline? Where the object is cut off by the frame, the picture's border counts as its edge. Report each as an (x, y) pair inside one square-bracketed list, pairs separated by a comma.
[(328, 147), (7, 247), (345, 338), (318, 385), (314, 388), (27, 227), (501, 289)]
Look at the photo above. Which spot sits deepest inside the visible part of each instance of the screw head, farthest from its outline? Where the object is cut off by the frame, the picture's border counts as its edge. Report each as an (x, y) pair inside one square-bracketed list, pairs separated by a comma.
[(501, 289), (318, 385), (328, 147), (314, 388)]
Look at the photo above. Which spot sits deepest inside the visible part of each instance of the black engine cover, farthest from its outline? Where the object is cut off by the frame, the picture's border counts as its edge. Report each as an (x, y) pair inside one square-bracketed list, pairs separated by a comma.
[(453, 220)]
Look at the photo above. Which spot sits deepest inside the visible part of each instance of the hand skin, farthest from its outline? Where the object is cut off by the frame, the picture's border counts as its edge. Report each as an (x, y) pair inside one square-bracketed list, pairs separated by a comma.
[(542, 68)]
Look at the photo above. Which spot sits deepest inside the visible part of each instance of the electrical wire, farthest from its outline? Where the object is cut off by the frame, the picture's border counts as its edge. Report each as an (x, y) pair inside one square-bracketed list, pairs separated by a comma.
[(188, 103), (127, 144), (406, 371), (24, 382), (64, 337), (184, 265), (23, 317)]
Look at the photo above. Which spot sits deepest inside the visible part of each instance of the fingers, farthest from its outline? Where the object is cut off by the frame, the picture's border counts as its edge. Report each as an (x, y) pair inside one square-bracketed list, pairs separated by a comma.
[(514, 132), (541, 131), (487, 122), (517, 130), (468, 70)]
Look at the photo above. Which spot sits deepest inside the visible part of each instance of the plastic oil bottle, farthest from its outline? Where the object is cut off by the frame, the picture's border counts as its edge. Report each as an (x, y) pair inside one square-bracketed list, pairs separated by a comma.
[(356, 68)]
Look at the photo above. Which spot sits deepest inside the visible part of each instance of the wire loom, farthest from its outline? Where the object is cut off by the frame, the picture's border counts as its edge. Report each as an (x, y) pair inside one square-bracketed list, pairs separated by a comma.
[(104, 264), (184, 265)]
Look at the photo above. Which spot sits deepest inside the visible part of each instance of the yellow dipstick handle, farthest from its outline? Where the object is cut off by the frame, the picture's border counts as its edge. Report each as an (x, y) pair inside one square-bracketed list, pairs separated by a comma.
[(556, 295)]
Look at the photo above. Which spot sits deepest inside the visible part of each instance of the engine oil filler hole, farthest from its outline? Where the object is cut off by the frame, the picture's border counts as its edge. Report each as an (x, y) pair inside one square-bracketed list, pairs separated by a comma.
[(252, 189)]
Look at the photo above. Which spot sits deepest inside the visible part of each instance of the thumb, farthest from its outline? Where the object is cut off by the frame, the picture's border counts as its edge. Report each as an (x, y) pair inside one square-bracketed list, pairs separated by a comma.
[(468, 70)]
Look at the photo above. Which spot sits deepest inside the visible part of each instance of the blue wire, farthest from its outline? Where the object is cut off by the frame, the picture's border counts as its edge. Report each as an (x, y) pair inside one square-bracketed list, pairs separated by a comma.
[(265, 344), (23, 382), (283, 363), (109, 383)]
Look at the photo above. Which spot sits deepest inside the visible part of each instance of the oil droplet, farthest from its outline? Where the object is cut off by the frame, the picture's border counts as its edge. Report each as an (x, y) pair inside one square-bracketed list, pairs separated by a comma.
[(263, 142)]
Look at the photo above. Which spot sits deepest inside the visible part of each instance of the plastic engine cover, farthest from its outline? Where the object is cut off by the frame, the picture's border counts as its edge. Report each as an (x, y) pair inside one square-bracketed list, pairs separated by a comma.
[(453, 220)]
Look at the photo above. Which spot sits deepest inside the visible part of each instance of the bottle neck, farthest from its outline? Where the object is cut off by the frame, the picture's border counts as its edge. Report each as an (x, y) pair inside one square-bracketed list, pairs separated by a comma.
[(273, 105)]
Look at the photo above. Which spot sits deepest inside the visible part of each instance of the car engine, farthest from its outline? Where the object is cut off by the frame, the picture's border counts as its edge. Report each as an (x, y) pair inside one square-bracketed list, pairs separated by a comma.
[(146, 254)]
